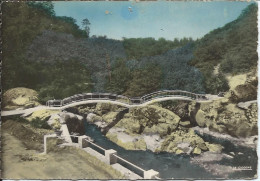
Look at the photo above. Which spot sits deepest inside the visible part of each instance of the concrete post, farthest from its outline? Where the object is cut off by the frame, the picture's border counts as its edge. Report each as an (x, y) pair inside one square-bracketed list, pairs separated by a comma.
[(109, 156), (82, 141), (151, 174), (45, 141), (65, 133)]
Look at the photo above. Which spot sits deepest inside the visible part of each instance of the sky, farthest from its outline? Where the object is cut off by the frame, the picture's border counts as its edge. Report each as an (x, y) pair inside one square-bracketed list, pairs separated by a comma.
[(151, 19)]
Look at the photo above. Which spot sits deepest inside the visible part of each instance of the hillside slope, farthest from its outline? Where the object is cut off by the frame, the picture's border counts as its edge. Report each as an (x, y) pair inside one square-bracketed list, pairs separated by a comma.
[(93, 53), (53, 56), (21, 24), (232, 48)]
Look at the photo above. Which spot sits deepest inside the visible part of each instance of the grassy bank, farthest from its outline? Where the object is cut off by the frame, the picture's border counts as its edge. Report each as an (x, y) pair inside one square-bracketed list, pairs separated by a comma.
[(22, 158)]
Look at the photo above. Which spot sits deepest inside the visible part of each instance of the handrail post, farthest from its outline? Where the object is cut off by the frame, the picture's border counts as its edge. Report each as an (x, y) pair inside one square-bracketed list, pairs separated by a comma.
[(83, 143), (151, 174), (45, 141), (109, 156)]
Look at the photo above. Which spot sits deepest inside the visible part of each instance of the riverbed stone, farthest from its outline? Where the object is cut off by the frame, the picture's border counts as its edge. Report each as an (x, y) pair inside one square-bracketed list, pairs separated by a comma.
[(197, 151), (215, 148), (200, 118), (179, 151), (185, 123), (135, 144), (202, 146), (184, 140)]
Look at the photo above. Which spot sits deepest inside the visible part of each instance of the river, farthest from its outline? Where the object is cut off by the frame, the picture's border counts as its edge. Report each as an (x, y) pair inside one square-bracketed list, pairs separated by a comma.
[(179, 166)]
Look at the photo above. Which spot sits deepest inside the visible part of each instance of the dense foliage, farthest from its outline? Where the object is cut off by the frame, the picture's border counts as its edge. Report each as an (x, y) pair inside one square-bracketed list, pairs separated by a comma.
[(232, 47), (22, 22), (141, 47), (62, 79), (176, 73), (53, 56), (39, 123), (36, 122), (145, 80), (121, 77), (166, 71)]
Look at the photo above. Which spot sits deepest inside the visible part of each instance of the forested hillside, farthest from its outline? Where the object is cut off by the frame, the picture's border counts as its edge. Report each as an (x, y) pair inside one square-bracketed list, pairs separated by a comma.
[(56, 58), (143, 47), (166, 71), (95, 54), (232, 47), (22, 23)]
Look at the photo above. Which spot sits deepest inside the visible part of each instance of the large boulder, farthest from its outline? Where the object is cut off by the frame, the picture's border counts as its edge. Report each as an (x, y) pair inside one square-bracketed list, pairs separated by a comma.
[(186, 141), (215, 148), (180, 108), (135, 144), (20, 97), (149, 120), (200, 118), (226, 117), (243, 87)]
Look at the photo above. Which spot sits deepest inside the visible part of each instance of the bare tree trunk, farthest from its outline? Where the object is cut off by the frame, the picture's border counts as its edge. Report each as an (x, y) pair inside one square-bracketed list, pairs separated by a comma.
[(108, 67)]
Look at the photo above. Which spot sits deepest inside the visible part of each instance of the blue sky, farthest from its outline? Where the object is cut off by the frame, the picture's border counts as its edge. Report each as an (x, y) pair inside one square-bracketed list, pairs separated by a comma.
[(151, 19)]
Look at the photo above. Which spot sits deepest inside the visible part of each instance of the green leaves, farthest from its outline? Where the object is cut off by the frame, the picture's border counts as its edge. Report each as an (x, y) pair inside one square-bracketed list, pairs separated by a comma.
[(39, 123), (145, 81), (63, 79), (142, 47), (233, 47), (121, 77), (215, 83), (22, 23), (86, 24)]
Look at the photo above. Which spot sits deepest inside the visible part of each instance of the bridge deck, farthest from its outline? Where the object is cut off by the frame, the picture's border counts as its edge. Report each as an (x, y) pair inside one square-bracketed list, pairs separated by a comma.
[(73, 104)]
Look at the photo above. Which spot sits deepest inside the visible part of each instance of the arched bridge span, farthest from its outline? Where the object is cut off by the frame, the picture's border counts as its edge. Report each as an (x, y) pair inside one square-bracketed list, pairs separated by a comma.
[(88, 98)]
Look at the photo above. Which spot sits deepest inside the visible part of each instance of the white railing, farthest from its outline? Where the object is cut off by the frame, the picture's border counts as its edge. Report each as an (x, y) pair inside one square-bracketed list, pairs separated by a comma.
[(123, 162), (124, 99), (134, 168)]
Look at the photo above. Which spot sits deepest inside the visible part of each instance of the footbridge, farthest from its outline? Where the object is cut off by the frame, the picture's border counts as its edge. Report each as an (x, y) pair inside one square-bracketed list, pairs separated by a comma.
[(124, 101)]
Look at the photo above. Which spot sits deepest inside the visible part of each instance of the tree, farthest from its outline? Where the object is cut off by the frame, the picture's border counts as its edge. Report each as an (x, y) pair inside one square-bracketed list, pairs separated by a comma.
[(145, 81), (86, 24), (48, 7), (121, 77), (215, 83)]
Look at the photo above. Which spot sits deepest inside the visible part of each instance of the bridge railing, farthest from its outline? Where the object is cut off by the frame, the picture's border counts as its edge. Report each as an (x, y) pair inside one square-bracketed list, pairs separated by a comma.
[(168, 93), (134, 168), (124, 99), (99, 149), (116, 158), (96, 147)]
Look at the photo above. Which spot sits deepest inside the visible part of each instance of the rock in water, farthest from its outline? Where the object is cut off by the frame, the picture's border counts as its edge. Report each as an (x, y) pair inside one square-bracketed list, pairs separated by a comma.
[(197, 151)]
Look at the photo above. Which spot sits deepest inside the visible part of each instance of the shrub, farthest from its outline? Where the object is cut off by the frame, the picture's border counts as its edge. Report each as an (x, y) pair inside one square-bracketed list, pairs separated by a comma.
[(39, 123)]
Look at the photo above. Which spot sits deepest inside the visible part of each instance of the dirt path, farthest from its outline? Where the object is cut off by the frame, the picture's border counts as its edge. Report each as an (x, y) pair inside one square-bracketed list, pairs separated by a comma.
[(67, 163)]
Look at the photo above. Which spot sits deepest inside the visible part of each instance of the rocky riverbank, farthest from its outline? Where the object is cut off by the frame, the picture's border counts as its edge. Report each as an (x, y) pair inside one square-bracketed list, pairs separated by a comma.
[(169, 126), (152, 127)]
